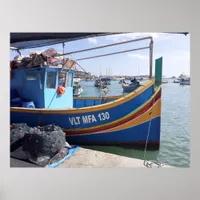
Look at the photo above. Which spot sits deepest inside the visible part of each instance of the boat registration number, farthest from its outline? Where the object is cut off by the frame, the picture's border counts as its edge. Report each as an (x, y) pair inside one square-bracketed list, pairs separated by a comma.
[(87, 119)]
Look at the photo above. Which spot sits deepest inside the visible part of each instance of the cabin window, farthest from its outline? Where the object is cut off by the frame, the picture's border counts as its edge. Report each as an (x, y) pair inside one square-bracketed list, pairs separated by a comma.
[(62, 79), (41, 79), (69, 80), (31, 76), (51, 80)]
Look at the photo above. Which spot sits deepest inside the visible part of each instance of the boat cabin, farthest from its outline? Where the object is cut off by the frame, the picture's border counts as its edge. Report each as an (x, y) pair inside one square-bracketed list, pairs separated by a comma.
[(47, 87)]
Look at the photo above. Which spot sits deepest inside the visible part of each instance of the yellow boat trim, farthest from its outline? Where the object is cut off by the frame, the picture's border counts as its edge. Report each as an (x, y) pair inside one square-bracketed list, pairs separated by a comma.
[(156, 112), (101, 107), (118, 120)]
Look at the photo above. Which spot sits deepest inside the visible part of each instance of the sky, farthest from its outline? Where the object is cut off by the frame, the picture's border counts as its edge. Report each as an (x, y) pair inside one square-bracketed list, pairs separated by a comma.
[(174, 48)]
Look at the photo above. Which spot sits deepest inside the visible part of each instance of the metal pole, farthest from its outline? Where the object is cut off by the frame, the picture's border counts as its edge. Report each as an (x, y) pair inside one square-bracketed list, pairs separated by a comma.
[(109, 54), (150, 58), (104, 46)]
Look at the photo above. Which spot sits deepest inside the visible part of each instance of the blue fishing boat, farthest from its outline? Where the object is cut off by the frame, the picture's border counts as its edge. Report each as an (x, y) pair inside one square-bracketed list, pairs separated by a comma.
[(40, 97)]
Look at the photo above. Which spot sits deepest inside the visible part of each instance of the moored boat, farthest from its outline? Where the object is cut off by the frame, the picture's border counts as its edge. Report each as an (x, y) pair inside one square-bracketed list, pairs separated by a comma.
[(164, 80), (127, 88), (185, 81), (176, 81), (99, 83), (122, 81), (130, 120), (102, 82)]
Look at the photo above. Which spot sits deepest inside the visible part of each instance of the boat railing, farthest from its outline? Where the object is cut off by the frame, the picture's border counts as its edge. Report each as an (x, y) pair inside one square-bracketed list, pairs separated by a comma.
[(150, 47)]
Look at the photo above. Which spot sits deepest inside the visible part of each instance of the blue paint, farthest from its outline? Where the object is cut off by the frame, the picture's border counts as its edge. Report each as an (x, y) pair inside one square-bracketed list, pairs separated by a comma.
[(30, 85), (16, 102), (13, 94), (135, 134), (71, 152), (28, 90), (28, 104), (80, 103), (63, 121), (52, 99)]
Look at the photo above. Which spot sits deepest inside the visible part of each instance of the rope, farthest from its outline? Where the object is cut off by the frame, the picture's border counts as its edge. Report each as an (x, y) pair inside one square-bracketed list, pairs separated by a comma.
[(103, 95), (150, 163)]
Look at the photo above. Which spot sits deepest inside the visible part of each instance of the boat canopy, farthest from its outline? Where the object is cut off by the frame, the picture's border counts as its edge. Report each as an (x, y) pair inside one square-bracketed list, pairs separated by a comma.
[(34, 40)]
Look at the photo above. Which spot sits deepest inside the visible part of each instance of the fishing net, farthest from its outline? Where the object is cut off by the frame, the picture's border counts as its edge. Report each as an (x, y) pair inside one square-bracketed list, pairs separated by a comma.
[(17, 132), (41, 144)]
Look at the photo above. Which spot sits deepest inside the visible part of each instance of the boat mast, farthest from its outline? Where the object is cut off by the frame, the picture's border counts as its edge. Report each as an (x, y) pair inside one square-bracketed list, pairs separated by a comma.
[(150, 58)]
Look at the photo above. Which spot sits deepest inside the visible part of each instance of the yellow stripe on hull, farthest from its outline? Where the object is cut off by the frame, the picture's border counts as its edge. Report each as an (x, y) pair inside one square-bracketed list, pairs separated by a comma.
[(156, 112)]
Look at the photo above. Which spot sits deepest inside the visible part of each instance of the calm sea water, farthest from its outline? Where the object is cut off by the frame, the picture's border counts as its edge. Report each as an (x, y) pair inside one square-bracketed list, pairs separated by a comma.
[(175, 125)]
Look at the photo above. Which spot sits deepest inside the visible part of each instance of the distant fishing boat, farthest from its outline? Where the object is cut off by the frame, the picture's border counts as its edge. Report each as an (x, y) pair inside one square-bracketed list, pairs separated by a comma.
[(107, 80), (102, 82), (176, 81), (164, 81), (37, 98), (185, 81), (127, 88), (139, 78), (121, 81), (99, 83)]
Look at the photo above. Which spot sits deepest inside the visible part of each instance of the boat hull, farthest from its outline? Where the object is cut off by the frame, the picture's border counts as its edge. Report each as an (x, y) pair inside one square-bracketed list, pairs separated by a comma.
[(131, 137), (185, 83), (124, 121)]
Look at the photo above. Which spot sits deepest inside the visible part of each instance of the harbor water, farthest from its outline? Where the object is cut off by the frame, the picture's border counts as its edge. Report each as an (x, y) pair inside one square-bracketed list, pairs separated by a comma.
[(175, 126)]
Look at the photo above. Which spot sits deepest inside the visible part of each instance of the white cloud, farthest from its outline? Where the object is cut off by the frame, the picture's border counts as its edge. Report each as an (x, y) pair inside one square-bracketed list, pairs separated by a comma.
[(92, 40), (139, 56), (131, 36)]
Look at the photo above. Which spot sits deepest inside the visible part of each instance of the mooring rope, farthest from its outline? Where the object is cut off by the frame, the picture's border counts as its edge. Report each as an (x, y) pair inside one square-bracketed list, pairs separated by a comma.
[(150, 163)]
